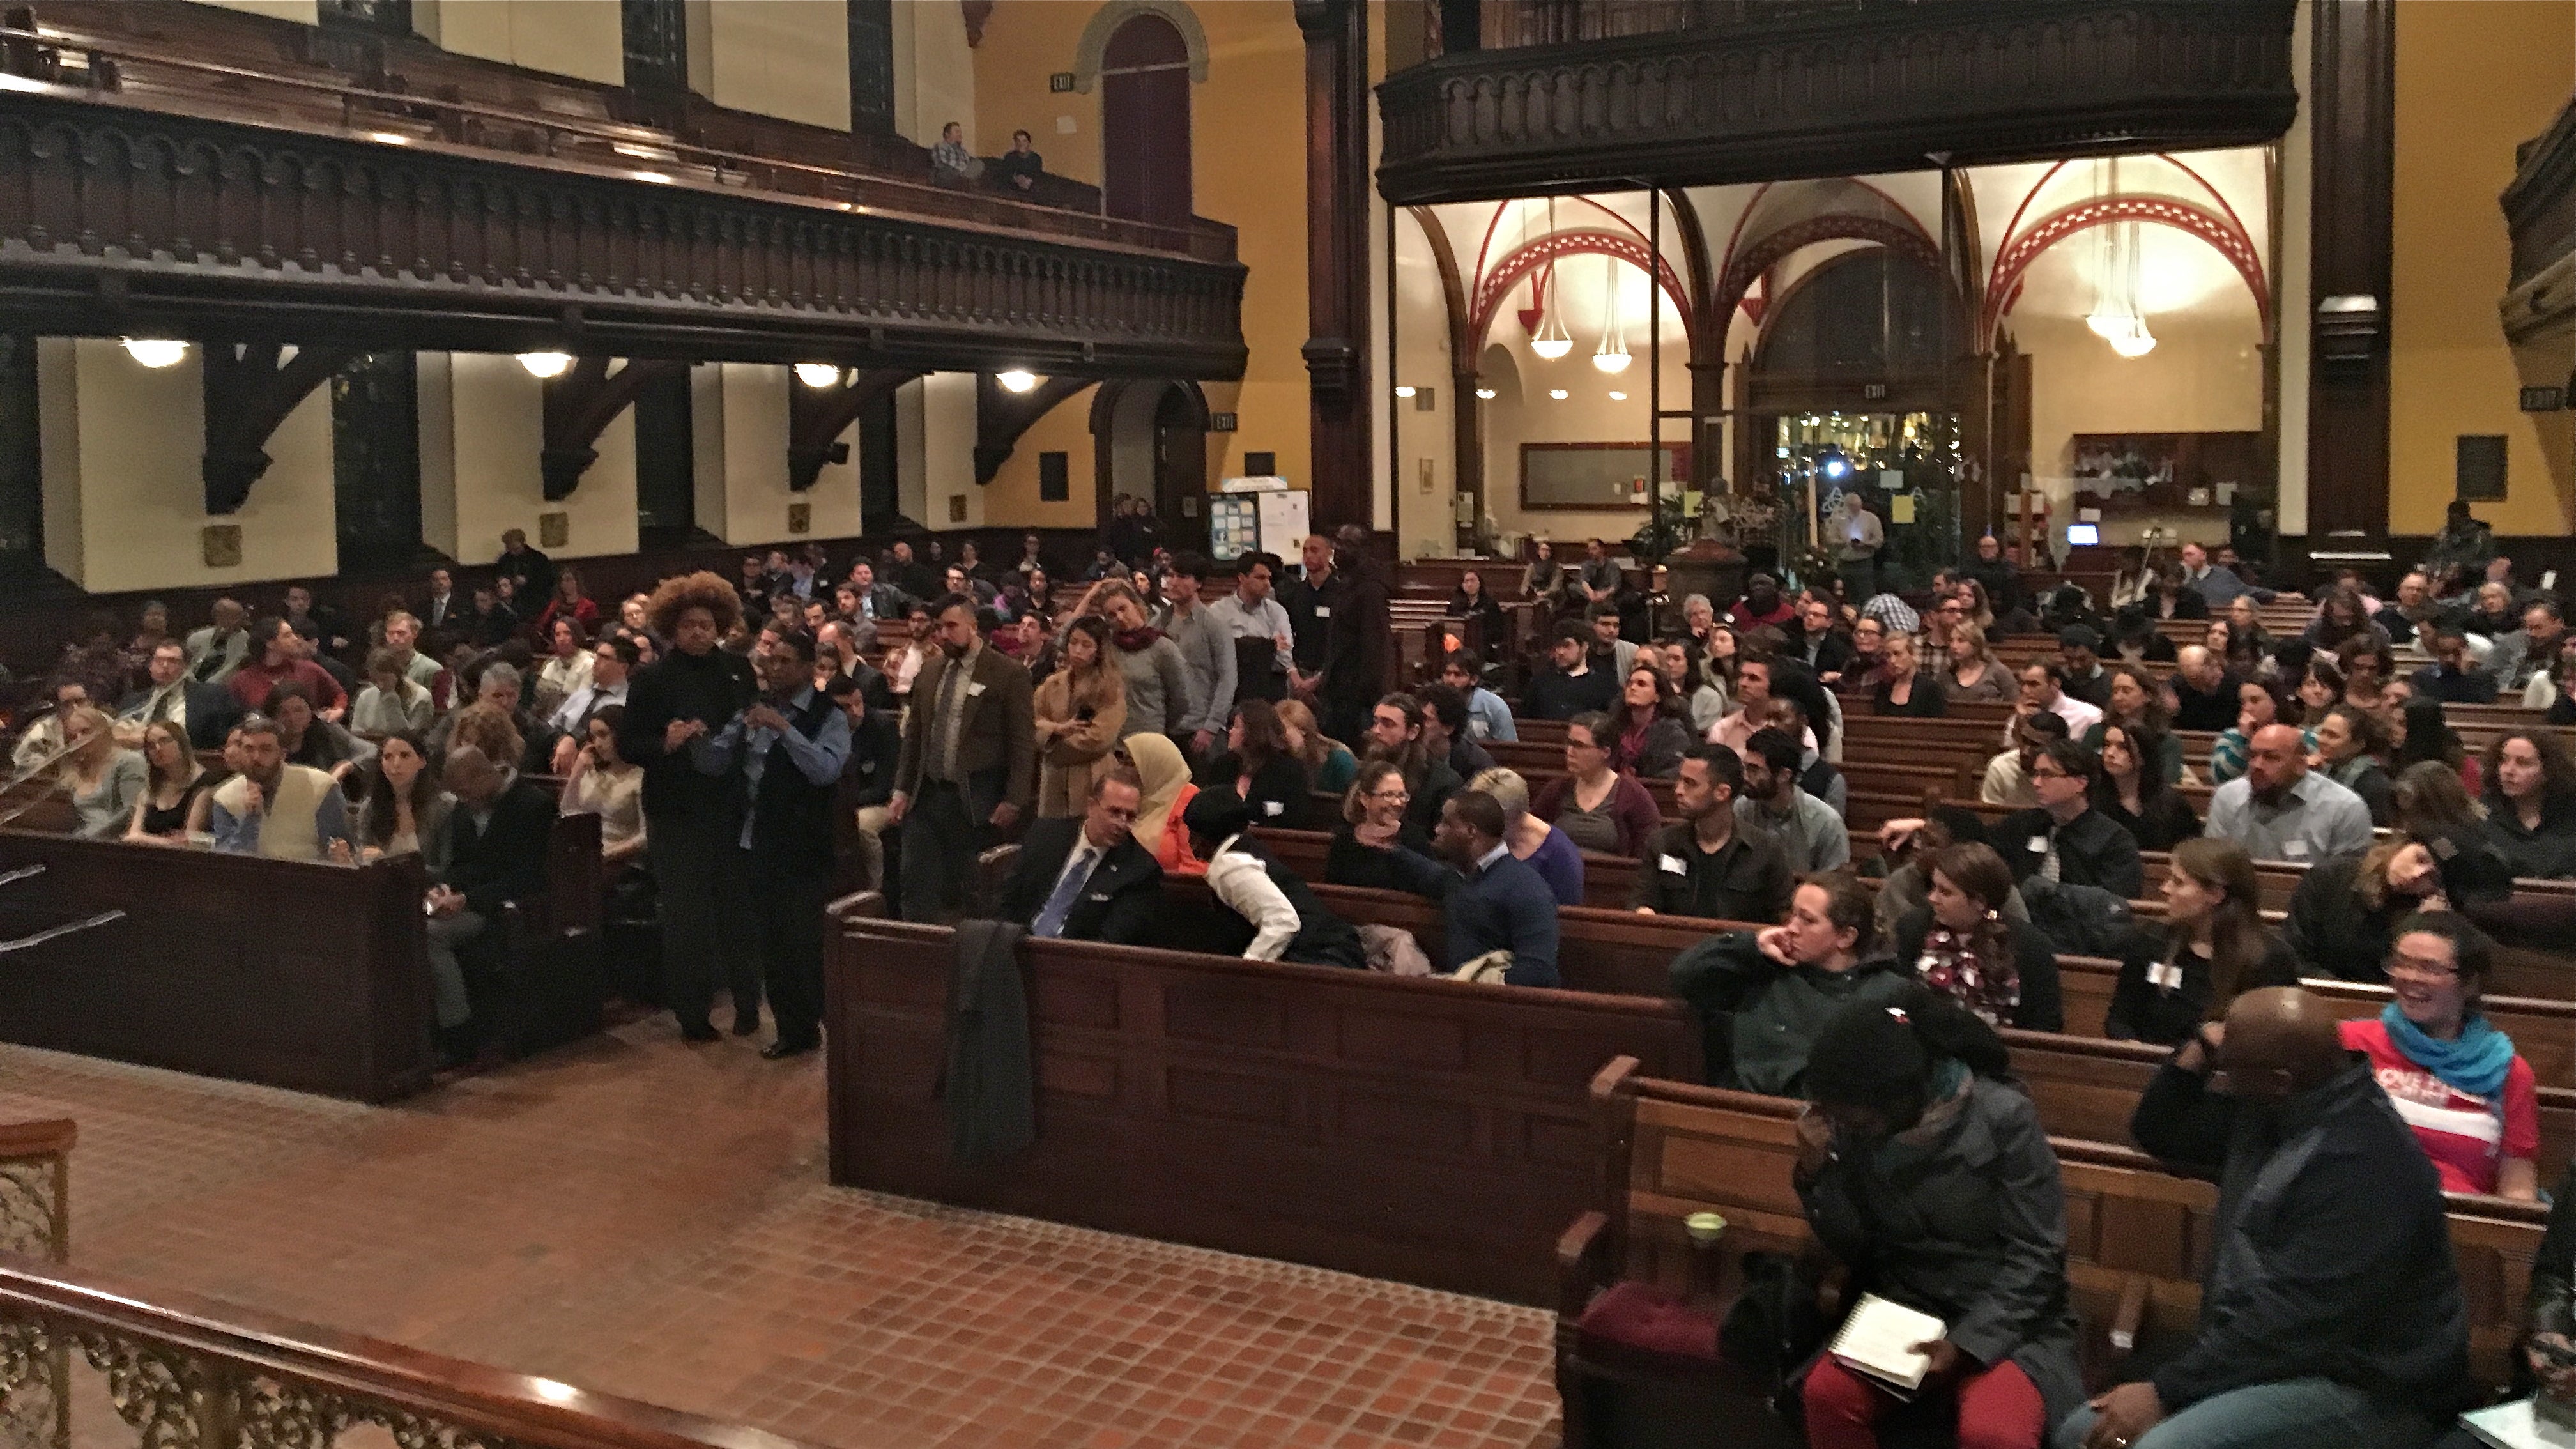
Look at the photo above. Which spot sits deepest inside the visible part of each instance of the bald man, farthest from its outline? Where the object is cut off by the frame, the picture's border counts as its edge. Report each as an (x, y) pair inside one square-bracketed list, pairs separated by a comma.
[(2282, 810), (2331, 1314)]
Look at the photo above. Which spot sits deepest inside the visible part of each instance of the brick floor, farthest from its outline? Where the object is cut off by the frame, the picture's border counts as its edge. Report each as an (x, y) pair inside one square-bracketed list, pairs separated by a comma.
[(649, 1219)]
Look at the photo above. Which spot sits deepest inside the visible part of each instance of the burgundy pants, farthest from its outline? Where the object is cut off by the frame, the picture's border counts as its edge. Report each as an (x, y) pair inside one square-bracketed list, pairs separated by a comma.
[(1999, 1408)]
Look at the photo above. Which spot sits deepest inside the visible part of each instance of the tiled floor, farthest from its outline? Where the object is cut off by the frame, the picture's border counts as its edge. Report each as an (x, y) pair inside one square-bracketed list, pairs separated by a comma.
[(649, 1219)]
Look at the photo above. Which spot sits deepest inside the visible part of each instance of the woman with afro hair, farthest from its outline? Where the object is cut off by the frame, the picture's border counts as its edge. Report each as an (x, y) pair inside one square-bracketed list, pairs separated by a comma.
[(688, 694)]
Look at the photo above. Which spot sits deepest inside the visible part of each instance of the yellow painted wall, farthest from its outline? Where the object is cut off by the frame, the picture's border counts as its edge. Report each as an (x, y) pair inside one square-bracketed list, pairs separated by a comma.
[(496, 425), (934, 72), (302, 12), (739, 431), (2474, 79), (1011, 499), (1248, 170), (124, 491), (584, 39), (784, 58)]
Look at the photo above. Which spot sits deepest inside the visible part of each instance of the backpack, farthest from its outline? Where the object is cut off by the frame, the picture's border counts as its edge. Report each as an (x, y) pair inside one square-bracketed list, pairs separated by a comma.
[(2079, 920)]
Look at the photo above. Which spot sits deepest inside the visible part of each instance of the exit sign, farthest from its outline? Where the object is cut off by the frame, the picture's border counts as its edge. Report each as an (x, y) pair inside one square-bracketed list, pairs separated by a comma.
[(1220, 422), (2543, 399)]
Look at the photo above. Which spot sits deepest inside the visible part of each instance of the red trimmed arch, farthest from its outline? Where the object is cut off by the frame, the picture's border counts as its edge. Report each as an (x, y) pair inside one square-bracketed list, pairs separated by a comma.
[(1557, 246), (2220, 232), (1748, 266)]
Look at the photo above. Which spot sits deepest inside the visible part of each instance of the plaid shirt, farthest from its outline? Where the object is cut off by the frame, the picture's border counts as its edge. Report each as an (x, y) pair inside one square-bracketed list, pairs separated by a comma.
[(1892, 614)]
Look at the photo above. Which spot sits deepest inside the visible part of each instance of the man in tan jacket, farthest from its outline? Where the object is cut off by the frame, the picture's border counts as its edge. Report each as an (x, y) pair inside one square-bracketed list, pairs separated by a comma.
[(969, 763)]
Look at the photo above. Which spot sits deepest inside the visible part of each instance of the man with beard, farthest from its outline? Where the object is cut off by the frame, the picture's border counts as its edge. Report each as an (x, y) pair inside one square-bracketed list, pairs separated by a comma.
[(969, 767), (781, 761), (272, 808), (2331, 1312), (2282, 810), (1705, 866), (686, 695)]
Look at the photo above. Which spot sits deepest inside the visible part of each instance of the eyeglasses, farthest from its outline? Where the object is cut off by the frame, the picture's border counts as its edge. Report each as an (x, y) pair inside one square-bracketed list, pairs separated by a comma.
[(1390, 795), (2399, 963), (2050, 775)]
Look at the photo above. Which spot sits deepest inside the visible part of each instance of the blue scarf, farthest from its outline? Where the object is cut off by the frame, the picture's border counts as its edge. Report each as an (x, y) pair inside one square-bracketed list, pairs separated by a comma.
[(2475, 1062)]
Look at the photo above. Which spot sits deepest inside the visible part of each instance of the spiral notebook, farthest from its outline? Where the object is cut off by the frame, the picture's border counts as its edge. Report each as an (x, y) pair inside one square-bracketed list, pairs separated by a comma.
[(1878, 1340)]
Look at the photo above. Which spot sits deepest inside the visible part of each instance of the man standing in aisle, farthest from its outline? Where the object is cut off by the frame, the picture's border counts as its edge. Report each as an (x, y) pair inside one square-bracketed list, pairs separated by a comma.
[(969, 766), (781, 762)]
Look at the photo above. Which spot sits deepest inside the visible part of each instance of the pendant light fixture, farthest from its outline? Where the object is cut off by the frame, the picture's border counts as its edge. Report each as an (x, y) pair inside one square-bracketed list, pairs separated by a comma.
[(1612, 355), (1551, 341), (2116, 317)]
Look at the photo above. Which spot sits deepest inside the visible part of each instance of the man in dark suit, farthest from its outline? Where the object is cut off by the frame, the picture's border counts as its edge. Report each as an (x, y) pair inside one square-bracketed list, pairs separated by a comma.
[(205, 711), (496, 857), (867, 781), (441, 609), (531, 571), (781, 761), (1084, 878), (969, 762), (1355, 649)]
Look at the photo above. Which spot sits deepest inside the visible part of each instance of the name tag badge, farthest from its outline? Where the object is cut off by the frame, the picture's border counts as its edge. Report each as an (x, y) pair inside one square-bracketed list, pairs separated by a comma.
[(1273, 807), (2165, 974), (2038, 845), (973, 688), (1675, 865), (2295, 849), (1100, 895), (1323, 612), (2443, 848), (869, 768)]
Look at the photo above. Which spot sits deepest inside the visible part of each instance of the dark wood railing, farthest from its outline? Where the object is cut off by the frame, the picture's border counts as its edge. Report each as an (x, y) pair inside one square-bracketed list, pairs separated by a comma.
[(110, 66), (218, 228), (1579, 95)]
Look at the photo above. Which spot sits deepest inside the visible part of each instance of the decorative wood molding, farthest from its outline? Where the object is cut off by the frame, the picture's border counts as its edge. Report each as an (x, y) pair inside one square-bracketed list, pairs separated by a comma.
[(1337, 260), (1001, 416), (211, 229), (248, 393), (1846, 91), (817, 416), (2540, 215), (579, 406), (2351, 256)]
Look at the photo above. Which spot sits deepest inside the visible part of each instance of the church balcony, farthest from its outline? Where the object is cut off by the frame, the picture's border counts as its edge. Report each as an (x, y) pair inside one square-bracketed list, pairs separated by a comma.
[(301, 208), (1581, 95)]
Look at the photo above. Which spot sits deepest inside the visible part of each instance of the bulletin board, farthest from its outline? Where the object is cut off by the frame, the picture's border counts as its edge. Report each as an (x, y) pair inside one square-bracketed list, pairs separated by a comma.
[(1592, 475)]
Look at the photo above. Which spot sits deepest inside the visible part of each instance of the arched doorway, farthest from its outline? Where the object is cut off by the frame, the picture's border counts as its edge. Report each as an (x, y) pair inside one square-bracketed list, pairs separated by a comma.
[(1851, 388), (1150, 442), (1145, 123)]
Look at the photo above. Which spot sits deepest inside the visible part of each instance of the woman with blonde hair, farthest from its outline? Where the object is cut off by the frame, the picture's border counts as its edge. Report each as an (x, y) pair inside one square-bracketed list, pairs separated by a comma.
[(1080, 710), (487, 727), (1546, 848), (1974, 673), (1328, 762), (103, 781), (1168, 792)]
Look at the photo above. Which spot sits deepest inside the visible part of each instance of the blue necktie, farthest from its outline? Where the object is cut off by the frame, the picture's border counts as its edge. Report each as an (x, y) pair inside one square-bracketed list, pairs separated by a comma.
[(1050, 921)]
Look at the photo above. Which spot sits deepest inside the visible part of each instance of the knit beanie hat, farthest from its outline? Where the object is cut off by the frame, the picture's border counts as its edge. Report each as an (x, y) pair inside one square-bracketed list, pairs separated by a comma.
[(1868, 1056)]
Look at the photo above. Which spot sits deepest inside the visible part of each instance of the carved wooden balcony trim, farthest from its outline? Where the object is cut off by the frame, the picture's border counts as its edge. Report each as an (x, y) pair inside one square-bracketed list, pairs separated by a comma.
[(122, 218), (1881, 87)]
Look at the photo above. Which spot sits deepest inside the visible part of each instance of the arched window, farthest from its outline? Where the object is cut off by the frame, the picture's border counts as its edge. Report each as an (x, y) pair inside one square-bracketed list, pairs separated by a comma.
[(1145, 123)]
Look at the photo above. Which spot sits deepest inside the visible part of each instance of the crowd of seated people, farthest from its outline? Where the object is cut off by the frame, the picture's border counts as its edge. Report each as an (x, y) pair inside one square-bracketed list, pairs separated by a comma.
[(900, 713)]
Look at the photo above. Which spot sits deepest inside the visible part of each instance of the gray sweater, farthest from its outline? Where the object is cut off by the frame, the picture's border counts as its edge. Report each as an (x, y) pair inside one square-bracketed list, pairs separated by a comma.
[(1158, 688), (1207, 653)]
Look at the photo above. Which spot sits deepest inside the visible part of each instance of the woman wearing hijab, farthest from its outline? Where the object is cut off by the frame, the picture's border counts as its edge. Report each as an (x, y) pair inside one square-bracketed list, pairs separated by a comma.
[(1167, 793)]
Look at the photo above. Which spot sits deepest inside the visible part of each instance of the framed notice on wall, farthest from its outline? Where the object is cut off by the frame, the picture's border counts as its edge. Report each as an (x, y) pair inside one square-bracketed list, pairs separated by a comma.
[(1593, 475)]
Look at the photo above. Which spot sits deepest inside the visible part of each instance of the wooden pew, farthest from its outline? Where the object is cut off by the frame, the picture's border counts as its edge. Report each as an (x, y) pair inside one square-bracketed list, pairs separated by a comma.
[(308, 976), (1671, 1149), (1429, 1131), (1609, 881)]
